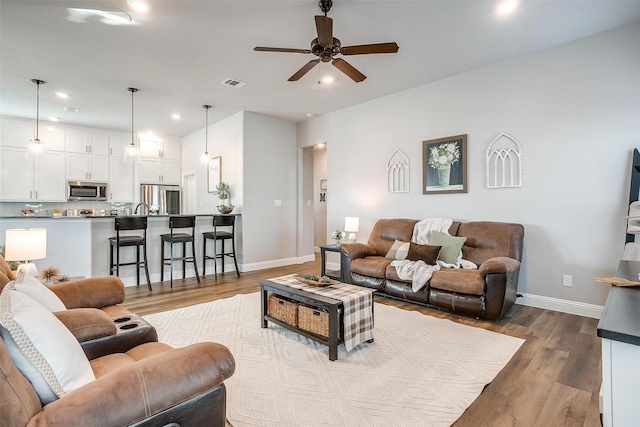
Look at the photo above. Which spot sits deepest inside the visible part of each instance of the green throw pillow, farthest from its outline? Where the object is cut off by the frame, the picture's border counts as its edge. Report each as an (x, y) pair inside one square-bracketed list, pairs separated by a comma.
[(451, 246), (426, 253)]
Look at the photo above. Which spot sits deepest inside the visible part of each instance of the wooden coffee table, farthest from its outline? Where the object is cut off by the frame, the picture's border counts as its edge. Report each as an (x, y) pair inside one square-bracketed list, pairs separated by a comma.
[(333, 306)]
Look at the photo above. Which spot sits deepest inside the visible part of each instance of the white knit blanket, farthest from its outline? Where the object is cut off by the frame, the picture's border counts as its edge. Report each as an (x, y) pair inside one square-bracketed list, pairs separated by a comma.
[(420, 272)]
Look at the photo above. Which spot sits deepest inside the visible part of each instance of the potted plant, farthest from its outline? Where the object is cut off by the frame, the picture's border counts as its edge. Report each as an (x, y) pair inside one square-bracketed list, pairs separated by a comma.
[(222, 190)]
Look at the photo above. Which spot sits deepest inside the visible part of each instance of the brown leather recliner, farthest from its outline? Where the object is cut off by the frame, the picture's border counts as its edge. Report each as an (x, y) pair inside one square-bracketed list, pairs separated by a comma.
[(94, 315), (488, 292), (149, 384)]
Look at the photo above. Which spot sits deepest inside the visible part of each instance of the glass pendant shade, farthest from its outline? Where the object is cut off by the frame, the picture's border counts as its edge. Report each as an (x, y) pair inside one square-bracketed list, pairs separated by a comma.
[(131, 153)]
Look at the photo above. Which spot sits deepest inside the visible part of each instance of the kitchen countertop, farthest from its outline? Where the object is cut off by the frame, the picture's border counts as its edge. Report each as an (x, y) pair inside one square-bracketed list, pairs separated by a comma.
[(105, 216)]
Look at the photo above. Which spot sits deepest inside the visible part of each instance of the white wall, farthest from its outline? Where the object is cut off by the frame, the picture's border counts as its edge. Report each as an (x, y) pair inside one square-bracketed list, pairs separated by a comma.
[(319, 208), (575, 109), (270, 162)]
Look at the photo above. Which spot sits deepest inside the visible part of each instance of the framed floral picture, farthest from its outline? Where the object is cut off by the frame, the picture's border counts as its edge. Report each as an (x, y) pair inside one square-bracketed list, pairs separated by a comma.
[(444, 163)]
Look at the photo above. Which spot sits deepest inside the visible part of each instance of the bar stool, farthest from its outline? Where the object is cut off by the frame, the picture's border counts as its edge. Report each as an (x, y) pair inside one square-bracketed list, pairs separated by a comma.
[(140, 242), (215, 235), (184, 238)]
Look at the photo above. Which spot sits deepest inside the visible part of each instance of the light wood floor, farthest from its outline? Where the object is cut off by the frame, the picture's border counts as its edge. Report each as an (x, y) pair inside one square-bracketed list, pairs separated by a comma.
[(553, 380)]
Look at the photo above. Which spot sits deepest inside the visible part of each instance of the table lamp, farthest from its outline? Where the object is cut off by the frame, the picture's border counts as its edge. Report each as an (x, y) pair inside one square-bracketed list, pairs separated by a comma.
[(25, 245), (351, 226)]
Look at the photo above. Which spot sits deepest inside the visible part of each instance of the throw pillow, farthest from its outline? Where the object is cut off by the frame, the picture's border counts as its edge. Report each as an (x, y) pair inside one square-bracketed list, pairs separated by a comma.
[(451, 246), (45, 351), (398, 250), (426, 253), (35, 289)]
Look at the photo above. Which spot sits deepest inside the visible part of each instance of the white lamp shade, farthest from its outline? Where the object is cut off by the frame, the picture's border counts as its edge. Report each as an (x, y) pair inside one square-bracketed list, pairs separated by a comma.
[(25, 244), (352, 224)]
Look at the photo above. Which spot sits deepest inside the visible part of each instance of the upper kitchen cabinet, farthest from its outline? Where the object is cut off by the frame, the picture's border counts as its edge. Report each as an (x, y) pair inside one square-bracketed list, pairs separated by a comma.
[(87, 143), (28, 178), (159, 161), (87, 157), (19, 135), (155, 149)]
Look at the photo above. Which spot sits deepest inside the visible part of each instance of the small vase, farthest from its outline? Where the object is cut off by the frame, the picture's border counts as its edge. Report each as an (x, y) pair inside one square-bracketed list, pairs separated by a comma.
[(443, 176), (225, 209)]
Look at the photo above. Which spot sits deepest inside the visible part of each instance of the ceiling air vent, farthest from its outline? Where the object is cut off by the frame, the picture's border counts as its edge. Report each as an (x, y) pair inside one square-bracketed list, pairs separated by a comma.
[(71, 109), (233, 83)]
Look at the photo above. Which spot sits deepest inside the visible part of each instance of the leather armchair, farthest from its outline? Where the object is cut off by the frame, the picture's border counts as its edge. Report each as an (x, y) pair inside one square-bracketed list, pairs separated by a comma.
[(150, 385)]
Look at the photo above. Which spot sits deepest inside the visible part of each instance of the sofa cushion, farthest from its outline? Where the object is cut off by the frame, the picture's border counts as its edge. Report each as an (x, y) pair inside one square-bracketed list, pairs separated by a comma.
[(41, 347), (87, 323), (386, 231), (398, 250), (373, 266), (105, 364), (457, 280), (451, 246), (427, 253), (486, 239), (39, 292)]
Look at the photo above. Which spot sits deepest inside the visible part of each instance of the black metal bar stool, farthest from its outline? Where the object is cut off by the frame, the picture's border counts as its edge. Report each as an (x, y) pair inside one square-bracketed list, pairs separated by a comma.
[(222, 235), (140, 242), (184, 238)]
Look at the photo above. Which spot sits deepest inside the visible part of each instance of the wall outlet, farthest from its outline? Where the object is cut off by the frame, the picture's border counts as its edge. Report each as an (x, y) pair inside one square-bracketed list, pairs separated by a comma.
[(567, 280)]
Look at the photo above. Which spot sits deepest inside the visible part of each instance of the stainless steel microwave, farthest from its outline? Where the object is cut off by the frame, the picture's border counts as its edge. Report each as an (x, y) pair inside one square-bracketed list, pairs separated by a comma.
[(86, 190)]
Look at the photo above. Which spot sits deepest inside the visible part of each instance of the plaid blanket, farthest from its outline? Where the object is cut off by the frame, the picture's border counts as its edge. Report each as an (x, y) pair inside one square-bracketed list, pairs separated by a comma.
[(357, 302)]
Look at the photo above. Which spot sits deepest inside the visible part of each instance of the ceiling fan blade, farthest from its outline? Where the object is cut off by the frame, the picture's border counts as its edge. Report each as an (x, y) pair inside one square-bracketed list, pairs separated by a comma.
[(324, 27), (304, 70), (348, 69), (280, 49), (367, 49)]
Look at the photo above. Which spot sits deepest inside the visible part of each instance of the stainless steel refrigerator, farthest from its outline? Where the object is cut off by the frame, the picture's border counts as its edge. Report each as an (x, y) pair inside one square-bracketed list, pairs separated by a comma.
[(161, 199)]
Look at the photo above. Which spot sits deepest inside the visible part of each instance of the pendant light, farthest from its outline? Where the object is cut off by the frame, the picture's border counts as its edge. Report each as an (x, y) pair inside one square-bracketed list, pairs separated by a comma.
[(35, 145), (205, 156), (131, 153)]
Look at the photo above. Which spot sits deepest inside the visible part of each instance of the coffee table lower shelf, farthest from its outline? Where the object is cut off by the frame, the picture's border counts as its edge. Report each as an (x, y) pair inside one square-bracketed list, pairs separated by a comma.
[(333, 306)]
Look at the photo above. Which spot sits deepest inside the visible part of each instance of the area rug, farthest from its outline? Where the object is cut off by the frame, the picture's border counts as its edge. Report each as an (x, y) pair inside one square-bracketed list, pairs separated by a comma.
[(419, 371)]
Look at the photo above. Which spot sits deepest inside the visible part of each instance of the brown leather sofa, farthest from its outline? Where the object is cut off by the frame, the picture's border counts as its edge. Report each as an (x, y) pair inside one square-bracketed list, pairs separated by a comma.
[(149, 384), (488, 292)]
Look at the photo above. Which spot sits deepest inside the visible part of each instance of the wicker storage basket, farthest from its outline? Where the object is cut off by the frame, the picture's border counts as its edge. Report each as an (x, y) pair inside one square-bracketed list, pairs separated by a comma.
[(283, 309), (313, 320)]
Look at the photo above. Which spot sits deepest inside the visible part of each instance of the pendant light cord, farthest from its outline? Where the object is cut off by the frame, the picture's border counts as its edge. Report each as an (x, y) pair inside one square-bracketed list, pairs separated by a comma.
[(38, 82), (206, 128), (132, 90)]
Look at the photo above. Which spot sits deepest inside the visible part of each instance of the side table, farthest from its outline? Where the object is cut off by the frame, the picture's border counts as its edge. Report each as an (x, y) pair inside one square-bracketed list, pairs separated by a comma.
[(332, 274)]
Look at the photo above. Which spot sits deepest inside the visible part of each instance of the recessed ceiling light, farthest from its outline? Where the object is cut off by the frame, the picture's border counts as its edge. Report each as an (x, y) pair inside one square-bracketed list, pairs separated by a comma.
[(506, 7), (54, 119), (138, 5), (176, 116), (62, 95), (309, 114), (71, 109)]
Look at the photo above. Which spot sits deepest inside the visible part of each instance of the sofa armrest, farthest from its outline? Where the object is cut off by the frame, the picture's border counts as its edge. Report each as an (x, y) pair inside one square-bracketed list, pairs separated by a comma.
[(96, 292), (501, 264), (357, 250), (87, 323), (147, 387)]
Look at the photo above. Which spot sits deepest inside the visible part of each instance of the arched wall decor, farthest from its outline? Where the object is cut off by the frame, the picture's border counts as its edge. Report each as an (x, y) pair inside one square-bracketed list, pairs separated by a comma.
[(398, 173), (504, 163)]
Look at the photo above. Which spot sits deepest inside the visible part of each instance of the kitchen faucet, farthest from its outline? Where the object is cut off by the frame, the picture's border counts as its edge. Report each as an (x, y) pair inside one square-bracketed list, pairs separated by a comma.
[(135, 211)]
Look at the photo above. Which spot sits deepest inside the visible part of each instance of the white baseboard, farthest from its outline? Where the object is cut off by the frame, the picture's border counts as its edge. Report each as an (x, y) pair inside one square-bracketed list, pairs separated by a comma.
[(277, 263), (564, 306)]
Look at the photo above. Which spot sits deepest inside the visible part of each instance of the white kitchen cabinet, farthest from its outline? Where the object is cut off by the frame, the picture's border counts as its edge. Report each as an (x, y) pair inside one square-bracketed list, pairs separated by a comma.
[(25, 178), (154, 149), (157, 171), (121, 180), (86, 167), (16, 136), (88, 143)]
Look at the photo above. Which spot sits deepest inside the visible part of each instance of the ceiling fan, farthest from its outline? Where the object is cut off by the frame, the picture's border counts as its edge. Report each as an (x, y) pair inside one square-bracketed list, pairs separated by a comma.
[(326, 47)]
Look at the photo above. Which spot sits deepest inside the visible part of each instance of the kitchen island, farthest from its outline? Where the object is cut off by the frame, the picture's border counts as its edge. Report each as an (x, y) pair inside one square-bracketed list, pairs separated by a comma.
[(79, 246)]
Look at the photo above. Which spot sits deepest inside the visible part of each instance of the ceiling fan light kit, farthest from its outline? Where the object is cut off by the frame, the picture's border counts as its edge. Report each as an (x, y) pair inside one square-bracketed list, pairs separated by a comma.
[(326, 47)]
